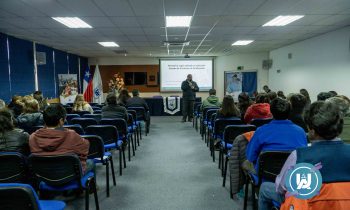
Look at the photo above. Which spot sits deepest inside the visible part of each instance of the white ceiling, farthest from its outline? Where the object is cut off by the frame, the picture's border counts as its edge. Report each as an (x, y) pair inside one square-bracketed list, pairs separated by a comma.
[(138, 25)]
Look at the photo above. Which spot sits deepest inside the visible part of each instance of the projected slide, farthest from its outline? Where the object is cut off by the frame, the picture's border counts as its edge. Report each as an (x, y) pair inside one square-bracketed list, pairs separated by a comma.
[(173, 72)]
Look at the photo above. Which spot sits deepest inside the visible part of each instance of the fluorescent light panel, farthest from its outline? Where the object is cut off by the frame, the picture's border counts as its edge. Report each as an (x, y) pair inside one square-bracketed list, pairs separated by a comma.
[(283, 20), (242, 42), (178, 21), (72, 22), (109, 44)]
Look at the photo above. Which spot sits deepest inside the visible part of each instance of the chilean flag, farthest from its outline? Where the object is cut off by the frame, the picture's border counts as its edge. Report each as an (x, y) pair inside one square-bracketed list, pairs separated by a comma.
[(87, 85)]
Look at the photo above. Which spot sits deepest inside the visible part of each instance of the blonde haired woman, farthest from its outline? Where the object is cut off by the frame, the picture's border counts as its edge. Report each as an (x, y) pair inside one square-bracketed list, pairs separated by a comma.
[(81, 105)]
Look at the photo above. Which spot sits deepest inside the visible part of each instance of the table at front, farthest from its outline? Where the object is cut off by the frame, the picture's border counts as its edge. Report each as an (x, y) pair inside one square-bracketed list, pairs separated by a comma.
[(156, 106)]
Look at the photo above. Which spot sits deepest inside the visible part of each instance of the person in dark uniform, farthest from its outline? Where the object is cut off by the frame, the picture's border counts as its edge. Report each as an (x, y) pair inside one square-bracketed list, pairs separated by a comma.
[(189, 89)]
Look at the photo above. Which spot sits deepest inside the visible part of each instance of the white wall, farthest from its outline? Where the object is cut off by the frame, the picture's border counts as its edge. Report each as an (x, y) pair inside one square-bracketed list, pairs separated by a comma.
[(251, 61), (318, 64), (223, 63)]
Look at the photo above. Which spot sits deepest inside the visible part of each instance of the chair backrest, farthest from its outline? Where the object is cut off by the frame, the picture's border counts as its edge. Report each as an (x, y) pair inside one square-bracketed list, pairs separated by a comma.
[(119, 123), (232, 131), (69, 109), (77, 128), (271, 163), (32, 129), (84, 122), (108, 133), (93, 104), (131, 120), (81, 113), (96, 149), (134, 114), (97, 111), (205, 110), (260, 122), (140, 112), (55, 170), (220, 124), (97, 117), (196, 105), (69, 117), (13, 167), (15, 196), (209, 113)]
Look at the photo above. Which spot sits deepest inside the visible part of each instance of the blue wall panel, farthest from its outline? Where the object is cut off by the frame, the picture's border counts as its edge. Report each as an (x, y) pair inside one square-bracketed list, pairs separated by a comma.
[(46, 73), (5, 93), (22, 66)]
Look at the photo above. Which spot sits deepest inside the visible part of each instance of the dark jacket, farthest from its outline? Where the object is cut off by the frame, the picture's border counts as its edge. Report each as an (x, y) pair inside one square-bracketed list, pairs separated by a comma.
[(58, 142), (114, 111), (187, 92), (298, 120), (15, 141), (137, 101), (27, 120)]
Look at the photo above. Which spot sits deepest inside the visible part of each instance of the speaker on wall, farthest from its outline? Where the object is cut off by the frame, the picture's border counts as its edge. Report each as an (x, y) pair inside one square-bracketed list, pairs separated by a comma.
[(267, 64)]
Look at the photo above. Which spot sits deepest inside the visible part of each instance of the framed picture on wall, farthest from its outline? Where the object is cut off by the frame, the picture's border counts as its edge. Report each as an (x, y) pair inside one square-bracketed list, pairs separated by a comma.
[(237, 82)]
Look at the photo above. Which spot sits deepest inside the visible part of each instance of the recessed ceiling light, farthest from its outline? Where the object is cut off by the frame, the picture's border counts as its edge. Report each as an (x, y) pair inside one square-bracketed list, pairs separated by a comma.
[(283, 20), (72, 22), (178, 21), (109, 44), (242, 42)]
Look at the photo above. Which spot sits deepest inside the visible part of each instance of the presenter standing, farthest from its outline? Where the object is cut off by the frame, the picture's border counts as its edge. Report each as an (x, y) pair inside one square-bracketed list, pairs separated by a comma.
[(189, 89)]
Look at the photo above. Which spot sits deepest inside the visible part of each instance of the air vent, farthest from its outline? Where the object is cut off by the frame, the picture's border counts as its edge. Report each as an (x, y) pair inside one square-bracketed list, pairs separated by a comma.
[(120, 52), (176, 43)]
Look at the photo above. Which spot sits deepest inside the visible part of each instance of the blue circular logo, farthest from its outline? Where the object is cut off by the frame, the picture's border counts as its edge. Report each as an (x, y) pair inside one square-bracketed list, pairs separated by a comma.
[(304, 181)]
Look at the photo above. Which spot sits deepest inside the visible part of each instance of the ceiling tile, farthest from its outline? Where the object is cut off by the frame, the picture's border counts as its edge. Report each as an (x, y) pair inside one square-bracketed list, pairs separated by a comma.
[(98, 22), (204, 21), (132, 31), (147, 8), (19, 8), (179, 7), (125, 21), (210, 7), (154, 21), (243, 7), (115, 7), (82, 7), (138, 38)]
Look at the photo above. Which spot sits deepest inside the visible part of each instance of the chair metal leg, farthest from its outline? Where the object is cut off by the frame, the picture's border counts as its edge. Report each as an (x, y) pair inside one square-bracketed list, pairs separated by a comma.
[(107, 177), (219, 165), (225, 172), (253, 197), (120, 162), (112, 168), (133, 146), (124, 157), (129, 155), (231, 194), (87, 197), (246, 194), (95, 194), (213, 152)]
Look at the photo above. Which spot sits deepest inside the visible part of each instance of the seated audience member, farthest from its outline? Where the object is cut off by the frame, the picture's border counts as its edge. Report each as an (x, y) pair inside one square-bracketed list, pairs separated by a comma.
[(136, 100), (2, 104), (272, 95), (12, 139), (266, 89), (38, 95), (281, 94), (31, 115), (243, 103), (343, 106), (297, 102), (81, 105), (307, 96), (228, 108), (325, 123), (323, 96), (211, 101), (56, 140), (113, 109), (123, 97), (279, 134), (261, 109), (16, 106)]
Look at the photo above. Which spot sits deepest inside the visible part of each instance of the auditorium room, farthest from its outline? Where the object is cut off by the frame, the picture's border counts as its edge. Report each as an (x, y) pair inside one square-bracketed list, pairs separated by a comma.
[(174, 104)]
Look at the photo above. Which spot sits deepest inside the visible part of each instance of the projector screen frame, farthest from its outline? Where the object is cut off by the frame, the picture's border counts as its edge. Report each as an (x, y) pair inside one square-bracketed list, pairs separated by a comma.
[(195, 58)]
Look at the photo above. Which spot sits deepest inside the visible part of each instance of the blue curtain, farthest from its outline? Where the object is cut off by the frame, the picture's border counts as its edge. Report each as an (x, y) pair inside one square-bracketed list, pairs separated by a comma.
[(46, 73), (5, 90), (249, 82), (22, 66)]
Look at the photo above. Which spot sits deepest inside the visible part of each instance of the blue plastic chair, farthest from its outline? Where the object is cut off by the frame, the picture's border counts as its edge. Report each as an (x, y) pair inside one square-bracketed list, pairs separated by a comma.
[(13, 167), (23, 196), (123, 132), (98, 154), (84, 122), (61, 173), (77, 128), (97, 117), (109, 134), (69, 117)]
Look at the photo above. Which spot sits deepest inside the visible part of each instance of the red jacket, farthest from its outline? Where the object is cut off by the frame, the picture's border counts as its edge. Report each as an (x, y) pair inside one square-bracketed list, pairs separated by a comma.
[(255, 111), (58, 142)]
